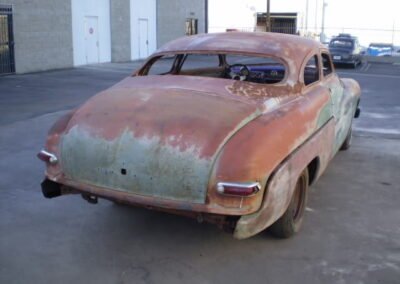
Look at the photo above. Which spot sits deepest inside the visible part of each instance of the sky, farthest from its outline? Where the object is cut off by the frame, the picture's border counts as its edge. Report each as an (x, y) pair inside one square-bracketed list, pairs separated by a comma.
[(357, 17)]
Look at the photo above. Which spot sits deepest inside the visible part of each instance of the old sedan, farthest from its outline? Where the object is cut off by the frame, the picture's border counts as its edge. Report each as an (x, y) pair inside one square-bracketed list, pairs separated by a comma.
[(345, 49), (227, 128)]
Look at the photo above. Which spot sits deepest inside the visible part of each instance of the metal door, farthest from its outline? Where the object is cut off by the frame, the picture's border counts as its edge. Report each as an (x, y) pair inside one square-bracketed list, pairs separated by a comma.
[(7, 63), (143, 38), (91, 40)]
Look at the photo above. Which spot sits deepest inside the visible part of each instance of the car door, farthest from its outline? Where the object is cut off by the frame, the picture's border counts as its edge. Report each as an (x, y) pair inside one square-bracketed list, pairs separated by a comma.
[(340, 112)]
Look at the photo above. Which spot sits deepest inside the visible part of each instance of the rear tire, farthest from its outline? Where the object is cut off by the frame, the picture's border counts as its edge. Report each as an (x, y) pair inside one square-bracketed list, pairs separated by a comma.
[(290, 222), (347, 142)]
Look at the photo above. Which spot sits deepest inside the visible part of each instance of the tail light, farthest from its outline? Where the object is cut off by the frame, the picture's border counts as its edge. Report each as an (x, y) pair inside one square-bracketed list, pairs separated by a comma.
[(238, 189), (47, 157)]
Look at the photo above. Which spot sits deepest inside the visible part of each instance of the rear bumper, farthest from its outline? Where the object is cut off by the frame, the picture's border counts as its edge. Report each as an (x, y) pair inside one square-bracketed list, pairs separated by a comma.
[(54, 188), (345, 61), (51, 189)]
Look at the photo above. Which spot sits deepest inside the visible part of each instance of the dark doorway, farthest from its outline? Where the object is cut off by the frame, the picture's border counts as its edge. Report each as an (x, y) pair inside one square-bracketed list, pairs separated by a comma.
[(7, 63)]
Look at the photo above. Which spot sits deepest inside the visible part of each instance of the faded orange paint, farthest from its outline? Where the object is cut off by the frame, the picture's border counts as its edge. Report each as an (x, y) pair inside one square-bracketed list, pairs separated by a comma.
[(235, 131)]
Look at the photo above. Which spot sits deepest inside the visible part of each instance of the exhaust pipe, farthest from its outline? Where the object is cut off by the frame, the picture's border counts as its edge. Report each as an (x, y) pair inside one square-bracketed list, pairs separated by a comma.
[(50, 189)]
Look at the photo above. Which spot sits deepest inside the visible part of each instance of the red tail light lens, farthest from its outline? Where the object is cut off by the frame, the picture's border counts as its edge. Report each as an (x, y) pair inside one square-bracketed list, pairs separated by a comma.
[(47, 157), (238, 189)]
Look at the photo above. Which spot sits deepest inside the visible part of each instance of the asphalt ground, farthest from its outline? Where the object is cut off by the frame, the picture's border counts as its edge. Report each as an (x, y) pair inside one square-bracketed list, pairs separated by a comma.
[(351, 232)]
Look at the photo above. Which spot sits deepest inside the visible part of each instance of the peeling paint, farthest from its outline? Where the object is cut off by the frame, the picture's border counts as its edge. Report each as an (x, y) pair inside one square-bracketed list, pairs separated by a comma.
[(151, 169), (166, 141)]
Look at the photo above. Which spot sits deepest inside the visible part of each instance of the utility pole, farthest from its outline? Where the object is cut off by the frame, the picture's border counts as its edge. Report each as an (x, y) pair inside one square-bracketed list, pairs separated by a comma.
[(316, 16), (268, 19), (306, 15), (322, 36), (394, 25)]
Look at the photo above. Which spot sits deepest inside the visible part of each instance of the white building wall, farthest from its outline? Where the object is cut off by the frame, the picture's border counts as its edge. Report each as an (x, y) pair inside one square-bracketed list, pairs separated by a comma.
[(380, 23), (141, 9), (101, 10)]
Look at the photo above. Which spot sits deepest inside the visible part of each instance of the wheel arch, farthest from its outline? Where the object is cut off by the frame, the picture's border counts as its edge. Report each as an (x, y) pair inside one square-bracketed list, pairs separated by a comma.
[(313, 169), (313, 155)]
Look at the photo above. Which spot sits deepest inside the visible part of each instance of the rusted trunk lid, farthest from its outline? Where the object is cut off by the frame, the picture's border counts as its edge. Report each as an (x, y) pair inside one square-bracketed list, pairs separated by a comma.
[(159, 142)]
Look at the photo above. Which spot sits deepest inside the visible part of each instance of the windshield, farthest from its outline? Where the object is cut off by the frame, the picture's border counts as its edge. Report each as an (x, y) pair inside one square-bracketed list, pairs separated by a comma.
[(343, 43), (256, 69)]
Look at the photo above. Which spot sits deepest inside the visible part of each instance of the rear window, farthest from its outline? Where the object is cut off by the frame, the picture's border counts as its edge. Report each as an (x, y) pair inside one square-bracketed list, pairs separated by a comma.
[(341, 43), (256, 69), (163, 65), (381, 45)]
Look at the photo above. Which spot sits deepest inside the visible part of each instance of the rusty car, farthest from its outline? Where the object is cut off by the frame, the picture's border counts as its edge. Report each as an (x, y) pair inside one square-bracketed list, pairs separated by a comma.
[(227, 128)]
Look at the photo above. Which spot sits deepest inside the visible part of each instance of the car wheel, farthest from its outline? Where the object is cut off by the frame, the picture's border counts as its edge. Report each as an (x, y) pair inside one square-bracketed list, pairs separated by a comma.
[(347, 142), (291, 220)]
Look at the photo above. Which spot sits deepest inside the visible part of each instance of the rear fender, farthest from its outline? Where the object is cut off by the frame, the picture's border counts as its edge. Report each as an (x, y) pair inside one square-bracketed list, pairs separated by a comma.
[(252, 154), (280, 186), (352, 91)]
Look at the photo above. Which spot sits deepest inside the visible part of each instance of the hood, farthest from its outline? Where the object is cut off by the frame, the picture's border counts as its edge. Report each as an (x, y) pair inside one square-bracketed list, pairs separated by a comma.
[(157, 141)]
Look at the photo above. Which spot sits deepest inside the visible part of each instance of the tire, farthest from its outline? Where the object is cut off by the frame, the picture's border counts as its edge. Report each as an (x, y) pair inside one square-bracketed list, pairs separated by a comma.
[(347, 142), (291, 221)]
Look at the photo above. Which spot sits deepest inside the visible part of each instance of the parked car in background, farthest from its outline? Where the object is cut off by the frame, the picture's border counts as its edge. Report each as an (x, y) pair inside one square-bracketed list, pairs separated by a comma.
[(228, 128), (345, 49), (381, 49)]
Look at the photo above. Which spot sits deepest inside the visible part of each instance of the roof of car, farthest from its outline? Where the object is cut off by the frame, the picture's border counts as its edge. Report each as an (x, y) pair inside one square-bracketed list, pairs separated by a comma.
[(344, 38), (276, 44), (292, 49), (381, 44)]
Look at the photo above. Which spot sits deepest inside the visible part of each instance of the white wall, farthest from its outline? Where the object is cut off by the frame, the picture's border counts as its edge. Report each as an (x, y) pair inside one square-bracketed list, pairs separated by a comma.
[(143, 9), (81, 9)]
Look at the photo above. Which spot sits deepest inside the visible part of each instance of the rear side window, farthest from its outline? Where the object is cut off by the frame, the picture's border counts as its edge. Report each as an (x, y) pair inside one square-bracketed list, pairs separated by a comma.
[(311, 71), (199, 61), (162, 65), (326, 64)]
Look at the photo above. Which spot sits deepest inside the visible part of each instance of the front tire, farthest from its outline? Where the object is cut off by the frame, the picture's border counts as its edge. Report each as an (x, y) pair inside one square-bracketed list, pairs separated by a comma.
[(291, 221)]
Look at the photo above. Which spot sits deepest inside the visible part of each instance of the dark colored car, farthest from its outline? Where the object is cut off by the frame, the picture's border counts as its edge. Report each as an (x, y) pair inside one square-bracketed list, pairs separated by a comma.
[(345, 49)]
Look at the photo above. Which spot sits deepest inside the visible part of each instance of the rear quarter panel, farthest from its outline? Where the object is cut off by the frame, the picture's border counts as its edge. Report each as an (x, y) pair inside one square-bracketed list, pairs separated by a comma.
[(281, 184), (347, 108), (255, 152)]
